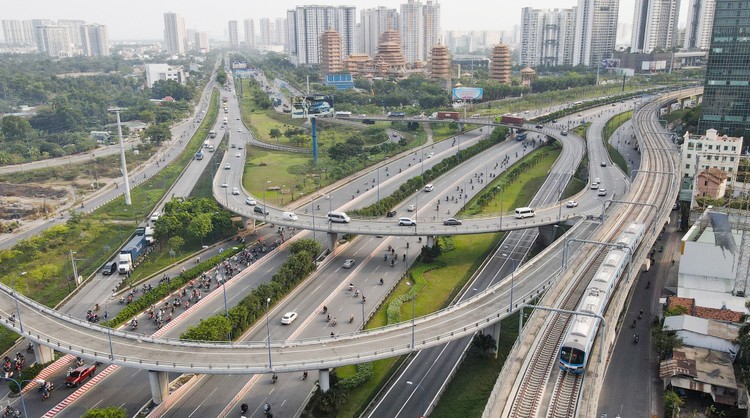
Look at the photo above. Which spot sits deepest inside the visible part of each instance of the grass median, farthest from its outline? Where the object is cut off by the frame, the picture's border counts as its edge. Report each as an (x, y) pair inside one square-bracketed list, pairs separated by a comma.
[(609, 129)]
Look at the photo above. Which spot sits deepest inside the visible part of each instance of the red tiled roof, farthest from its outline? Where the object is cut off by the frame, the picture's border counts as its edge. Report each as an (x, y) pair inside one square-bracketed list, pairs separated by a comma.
[(688, 303), (718, 314)]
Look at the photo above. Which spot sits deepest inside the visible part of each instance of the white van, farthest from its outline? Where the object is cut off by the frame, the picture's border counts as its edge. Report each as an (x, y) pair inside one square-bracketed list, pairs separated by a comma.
[(429, 188), (289, 216), (339, 217), (524, 213)]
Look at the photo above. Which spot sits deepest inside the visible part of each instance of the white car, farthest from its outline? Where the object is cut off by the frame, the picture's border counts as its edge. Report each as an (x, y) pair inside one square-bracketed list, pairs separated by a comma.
[(155, 217), (348, 263), (239, 130), (235, 191), (238, 155), (571, 204), (430, 155), (288, 318), (227, 166), (406, 222), (411, 208), (250, 201), (602, 192), (224, 185)]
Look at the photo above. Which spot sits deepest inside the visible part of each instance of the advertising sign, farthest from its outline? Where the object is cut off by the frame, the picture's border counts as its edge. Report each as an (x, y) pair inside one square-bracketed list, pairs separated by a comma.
[(468, 93), (312, 105)]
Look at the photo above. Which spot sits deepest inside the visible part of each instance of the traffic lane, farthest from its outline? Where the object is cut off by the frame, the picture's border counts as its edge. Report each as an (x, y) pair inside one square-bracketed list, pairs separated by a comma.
[(311, 321)]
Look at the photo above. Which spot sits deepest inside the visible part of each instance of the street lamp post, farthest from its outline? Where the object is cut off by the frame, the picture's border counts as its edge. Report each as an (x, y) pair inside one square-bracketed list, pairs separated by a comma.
[(109, 327), (463, 192), (20, 392), (424, 394), (268, 332), (15, 296), (363, 308), (226, 307), (512, 277), (265, 212), (413, 326)]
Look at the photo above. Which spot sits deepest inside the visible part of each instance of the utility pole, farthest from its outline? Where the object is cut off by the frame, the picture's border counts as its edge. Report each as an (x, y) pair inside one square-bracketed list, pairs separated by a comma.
[(124, 166)]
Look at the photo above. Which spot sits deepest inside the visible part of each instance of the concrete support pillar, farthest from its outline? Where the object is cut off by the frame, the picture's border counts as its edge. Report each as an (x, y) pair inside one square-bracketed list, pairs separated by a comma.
[(324, 379), (430, 240), (333, 238), (494, 330), (159, 385), (248, 223), (43, 354)]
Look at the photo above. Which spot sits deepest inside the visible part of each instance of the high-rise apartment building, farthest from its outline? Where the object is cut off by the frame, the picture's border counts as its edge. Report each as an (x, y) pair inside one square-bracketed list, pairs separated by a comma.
[(175, 37), (373, 22), (18, 32), (700, 19), (250, 33), (547, 36), (234, 34), (307, 23), (265, 31), (74, 30), (54, 41), (278, 35), (36, 32), (432, 33), (94, 40), (726, 91), (596, 31), (654, 25), (411, 27), (201, 42)]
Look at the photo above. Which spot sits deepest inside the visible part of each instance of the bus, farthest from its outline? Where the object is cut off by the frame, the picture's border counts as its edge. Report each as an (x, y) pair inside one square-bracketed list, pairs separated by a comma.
[(342, 114), (521, 136)]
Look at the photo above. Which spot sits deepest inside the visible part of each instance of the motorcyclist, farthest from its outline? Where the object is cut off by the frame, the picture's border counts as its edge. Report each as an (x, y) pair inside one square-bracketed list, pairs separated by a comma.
[(275, 377), (325, 309), (79, 362), (304, 375), (267, 407)]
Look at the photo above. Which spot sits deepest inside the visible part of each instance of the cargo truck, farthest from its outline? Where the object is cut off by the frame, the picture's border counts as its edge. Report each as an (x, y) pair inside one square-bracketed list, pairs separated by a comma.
[(448, 115), (513, 120), (148, 232), (130, 253)]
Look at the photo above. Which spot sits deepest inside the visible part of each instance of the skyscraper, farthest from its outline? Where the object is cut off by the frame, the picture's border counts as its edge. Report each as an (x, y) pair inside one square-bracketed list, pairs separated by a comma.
[(307, 23), (250, 33), (596, 31), (94, 40), (373, 22), (175, 37), (54, 40), (411, 27), (201, 42), (547, 36), (74, 30), (234, 34), (18, 32), (420, 29), (726, 91), (278, 36), (265, 31), (655, 25), (700, 19)]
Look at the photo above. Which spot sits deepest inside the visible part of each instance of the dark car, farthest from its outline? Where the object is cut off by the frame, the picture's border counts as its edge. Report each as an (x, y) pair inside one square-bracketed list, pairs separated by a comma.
[(261, 210), (451, 222), (109, 268), (80, 374), (391, 213), (539, 126)]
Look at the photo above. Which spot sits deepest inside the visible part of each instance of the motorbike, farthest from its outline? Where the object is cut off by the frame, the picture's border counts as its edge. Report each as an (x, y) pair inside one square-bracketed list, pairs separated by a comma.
[(381, 280), (304, 375), (274, 378), (30, 348), (351, 319), (635, 338), (333, 322), (634, 322), (11, 412)]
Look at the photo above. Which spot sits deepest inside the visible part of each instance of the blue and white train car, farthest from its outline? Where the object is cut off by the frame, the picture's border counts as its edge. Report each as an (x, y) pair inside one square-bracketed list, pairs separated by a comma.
[(576, 345)]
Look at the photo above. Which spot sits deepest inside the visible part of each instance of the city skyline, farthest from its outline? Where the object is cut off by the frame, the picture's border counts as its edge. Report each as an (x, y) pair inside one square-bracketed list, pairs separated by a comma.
[(456, 15)]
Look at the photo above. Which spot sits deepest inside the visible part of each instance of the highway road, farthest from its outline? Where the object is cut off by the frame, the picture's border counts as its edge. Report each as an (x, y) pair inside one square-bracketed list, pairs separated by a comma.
[(433, 368)]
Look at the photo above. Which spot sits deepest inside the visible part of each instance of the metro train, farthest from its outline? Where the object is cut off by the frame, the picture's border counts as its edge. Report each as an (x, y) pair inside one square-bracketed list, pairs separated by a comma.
[(577, 343)]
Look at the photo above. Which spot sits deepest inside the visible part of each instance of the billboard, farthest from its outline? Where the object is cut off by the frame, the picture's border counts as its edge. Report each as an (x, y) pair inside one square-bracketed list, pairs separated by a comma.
[(312, 105), (468, 93), (653, 65)]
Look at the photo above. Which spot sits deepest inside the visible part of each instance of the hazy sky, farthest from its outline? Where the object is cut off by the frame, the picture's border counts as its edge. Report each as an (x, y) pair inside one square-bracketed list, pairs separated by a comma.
[(143, 19)]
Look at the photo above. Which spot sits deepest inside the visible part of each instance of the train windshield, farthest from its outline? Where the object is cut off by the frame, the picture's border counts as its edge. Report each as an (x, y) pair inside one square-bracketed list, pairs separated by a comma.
[(572, 356)]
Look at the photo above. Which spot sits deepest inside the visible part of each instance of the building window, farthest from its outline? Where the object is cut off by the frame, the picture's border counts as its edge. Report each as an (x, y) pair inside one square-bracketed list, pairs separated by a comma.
[(687, 166)]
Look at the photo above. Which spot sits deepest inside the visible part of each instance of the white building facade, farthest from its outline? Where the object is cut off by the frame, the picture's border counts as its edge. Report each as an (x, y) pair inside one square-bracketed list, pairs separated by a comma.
[(547, 36), (596, 31), (94, 41), (18, 32), (654, 25), (234, 34), (373, 22), (306, 24), (175, 37), (156, 72), (700, 19), (710, 151)]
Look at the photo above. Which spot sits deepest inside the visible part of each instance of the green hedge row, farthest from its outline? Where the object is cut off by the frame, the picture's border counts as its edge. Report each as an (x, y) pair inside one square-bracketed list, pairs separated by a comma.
[(297, 266), (165, 289), (363, 374), (416, 183)]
